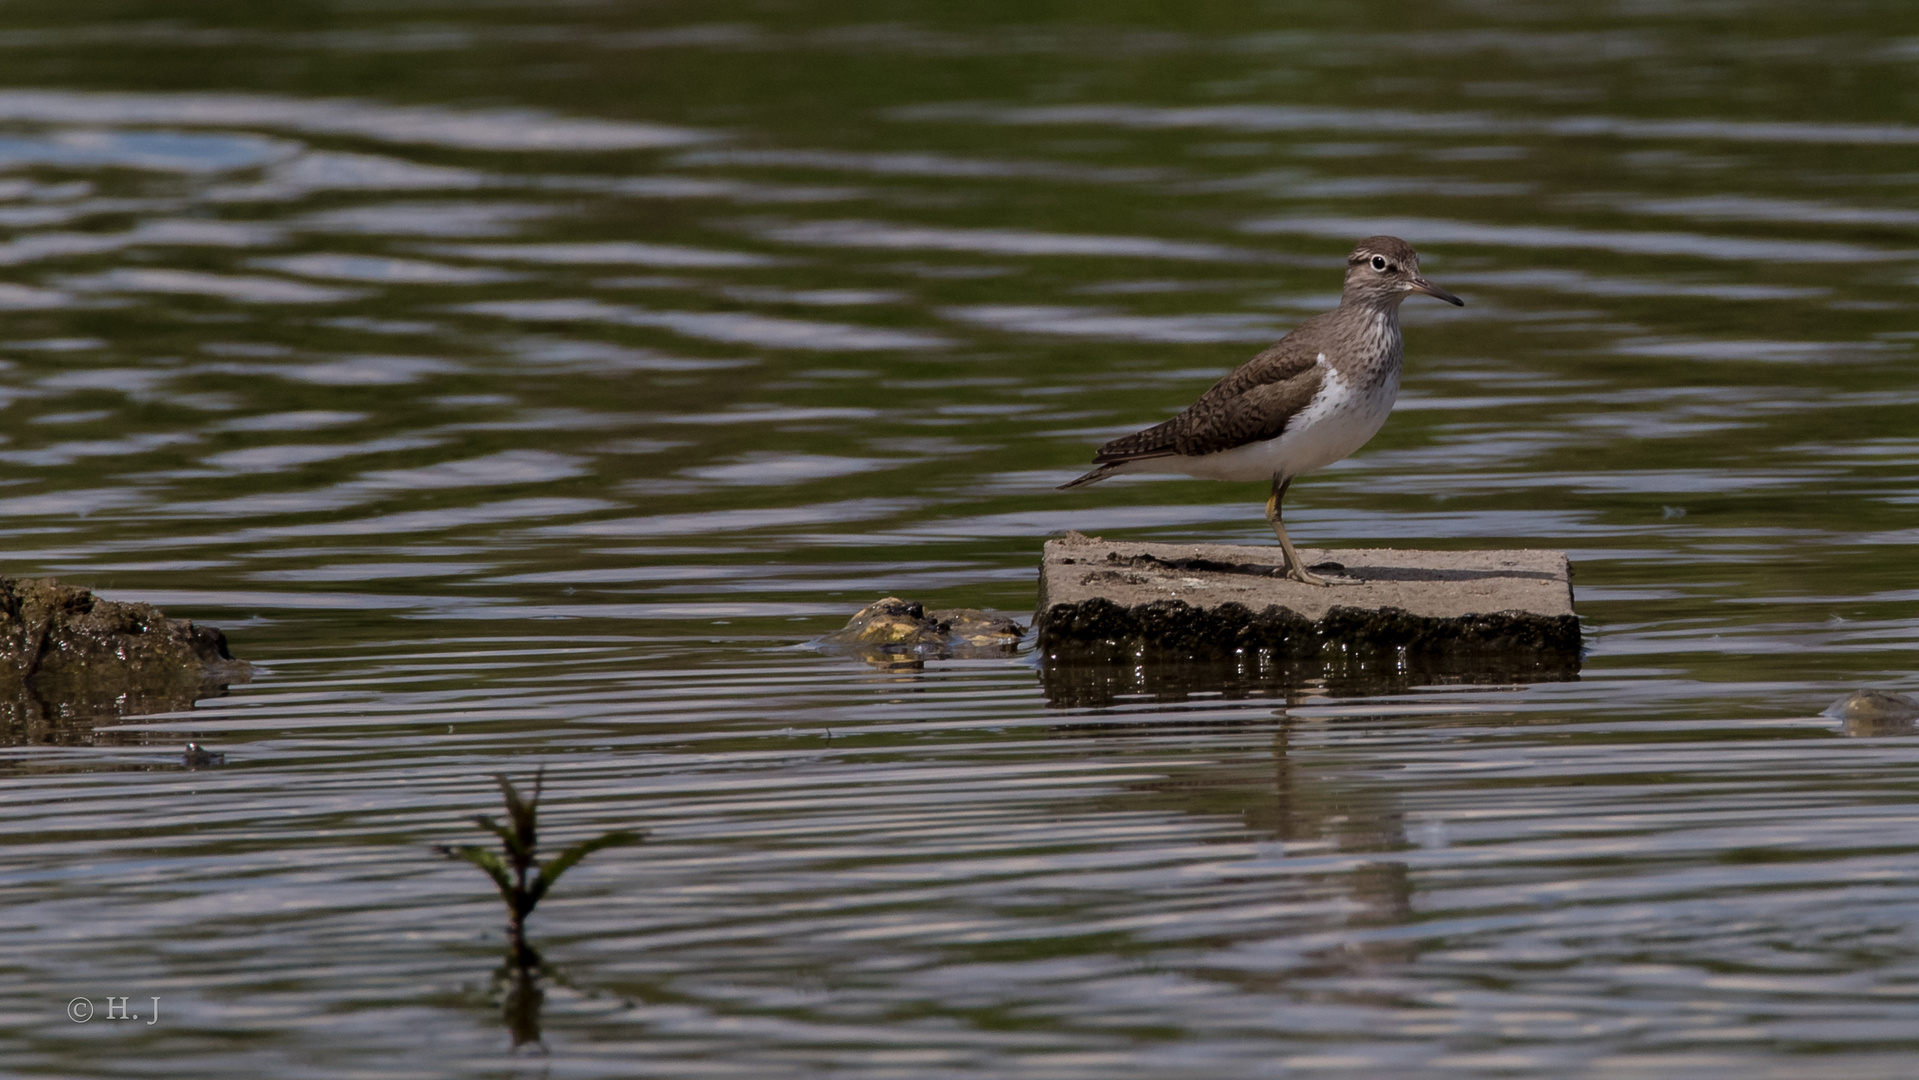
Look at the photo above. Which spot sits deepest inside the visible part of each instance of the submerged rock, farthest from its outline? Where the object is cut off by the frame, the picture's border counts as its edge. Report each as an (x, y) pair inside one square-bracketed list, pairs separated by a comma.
[(68, 654), (1875, 712), (894, 630)]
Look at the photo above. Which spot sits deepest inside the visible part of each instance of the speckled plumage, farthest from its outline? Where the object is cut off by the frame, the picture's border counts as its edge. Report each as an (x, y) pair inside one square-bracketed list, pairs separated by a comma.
[(1312, 398), (1337, 370)]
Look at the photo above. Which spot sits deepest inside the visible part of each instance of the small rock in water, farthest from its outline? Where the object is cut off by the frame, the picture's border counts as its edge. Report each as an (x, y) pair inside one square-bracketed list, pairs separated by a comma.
[(974, 628), (68, 657), (889, 622), (1875, 712), (894, 630)]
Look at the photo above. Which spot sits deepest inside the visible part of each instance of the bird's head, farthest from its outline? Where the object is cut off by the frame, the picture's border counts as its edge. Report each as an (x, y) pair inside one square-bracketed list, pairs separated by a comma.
[(1385, 270)]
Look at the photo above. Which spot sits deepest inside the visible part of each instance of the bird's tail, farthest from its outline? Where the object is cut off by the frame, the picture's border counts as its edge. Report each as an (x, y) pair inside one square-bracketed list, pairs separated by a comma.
[(1093, 477)]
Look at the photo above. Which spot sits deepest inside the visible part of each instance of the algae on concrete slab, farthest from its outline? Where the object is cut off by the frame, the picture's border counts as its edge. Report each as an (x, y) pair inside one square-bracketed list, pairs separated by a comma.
[(1107, 602)]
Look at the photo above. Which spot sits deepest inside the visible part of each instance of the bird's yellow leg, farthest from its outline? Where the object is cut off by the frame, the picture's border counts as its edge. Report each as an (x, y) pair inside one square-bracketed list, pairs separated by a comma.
[(1295, 569)]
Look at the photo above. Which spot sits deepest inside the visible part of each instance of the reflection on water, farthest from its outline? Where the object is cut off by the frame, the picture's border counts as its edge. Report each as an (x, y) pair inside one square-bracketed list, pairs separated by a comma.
[(33, 715), (1304, 807), (1070, 684), (529, 384)]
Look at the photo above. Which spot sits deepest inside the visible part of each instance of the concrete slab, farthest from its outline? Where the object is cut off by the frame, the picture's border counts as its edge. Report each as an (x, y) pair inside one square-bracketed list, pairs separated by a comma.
[(1109, 601)]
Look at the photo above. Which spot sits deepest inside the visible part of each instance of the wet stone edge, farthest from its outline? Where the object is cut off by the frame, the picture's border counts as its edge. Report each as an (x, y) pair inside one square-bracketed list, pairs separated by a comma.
[(1101, 631)]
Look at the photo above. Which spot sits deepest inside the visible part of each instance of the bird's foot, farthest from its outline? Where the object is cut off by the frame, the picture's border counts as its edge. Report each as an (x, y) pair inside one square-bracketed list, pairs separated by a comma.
[(1304, 576), (1307, 577)]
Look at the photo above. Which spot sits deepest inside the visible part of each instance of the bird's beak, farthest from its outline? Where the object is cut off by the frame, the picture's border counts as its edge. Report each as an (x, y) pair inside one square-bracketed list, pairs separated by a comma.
[(1420, 284)]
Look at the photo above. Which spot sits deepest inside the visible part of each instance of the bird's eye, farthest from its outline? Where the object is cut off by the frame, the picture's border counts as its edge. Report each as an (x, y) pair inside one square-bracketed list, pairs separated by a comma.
[(1379, 263)]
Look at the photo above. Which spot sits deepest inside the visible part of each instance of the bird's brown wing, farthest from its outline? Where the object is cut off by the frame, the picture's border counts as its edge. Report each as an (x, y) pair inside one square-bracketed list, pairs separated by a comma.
[(1256, 401)]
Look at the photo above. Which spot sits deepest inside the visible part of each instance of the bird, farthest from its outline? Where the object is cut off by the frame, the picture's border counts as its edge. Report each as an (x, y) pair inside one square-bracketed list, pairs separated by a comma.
[(1312, 398)]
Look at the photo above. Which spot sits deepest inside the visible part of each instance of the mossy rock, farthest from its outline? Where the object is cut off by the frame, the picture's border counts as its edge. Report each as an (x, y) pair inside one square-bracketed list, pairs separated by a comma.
[(891, 632), (66, 654)]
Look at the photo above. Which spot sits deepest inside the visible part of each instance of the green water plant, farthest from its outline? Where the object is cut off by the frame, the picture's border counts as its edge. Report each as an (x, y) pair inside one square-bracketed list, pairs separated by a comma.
[(523, 879)]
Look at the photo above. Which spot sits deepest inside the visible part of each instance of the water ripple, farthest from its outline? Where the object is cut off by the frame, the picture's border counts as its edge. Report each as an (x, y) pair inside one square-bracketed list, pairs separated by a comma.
[(468, 129), (732, 328), (1696, 245), (875, 234), (359, 382)]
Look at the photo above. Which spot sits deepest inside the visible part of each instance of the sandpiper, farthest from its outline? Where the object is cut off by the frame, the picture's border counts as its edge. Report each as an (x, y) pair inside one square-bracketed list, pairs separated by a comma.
[(1309, 400)]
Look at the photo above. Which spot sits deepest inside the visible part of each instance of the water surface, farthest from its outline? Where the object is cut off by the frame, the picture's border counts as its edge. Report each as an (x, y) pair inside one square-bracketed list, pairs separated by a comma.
[(525, 385)]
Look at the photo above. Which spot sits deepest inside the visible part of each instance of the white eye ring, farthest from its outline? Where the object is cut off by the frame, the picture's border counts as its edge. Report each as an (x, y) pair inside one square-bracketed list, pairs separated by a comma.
[(1379, 263)]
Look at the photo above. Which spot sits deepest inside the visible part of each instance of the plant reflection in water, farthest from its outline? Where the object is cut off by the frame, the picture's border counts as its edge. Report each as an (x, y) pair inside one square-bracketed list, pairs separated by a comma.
[(523, 880)]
